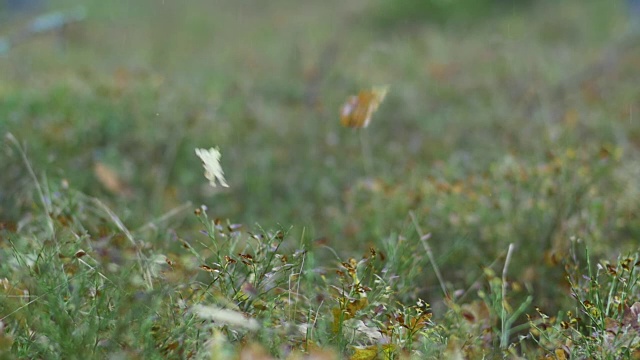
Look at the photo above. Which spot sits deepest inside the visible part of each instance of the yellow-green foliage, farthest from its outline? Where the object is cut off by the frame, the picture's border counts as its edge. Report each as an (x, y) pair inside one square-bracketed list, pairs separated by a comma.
[(489, 208)]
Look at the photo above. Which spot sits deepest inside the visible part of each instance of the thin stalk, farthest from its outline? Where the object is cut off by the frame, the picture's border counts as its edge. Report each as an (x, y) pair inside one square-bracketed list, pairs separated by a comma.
[(427, 248)]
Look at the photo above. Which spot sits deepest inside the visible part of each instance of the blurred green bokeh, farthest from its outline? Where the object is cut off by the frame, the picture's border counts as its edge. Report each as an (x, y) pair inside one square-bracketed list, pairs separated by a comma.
[(408, 12)]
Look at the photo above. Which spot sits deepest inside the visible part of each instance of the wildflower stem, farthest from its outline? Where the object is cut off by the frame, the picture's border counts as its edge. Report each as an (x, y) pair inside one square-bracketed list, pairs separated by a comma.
[(166, 216), (504, 339), (427, 248), (137, 247), (43, 200)]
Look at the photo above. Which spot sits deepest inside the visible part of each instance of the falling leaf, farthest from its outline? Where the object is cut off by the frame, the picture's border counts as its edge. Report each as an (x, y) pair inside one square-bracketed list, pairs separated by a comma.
[(442, 71), (212, 169), (571, 117), (357, 111), (110, 179)]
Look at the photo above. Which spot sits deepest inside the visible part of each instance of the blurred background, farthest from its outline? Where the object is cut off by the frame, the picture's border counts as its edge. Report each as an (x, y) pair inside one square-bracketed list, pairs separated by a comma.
[(506, 121)]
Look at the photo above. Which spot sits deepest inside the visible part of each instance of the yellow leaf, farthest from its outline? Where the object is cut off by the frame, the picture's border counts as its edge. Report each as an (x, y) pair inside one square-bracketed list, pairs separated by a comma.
[(338, 317), (355, 305), (349, 312), (560, 354), (365, 353), (357, 111)]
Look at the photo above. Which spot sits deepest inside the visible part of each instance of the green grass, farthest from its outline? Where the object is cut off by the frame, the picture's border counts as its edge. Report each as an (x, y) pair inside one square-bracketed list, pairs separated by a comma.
[(489, 210)]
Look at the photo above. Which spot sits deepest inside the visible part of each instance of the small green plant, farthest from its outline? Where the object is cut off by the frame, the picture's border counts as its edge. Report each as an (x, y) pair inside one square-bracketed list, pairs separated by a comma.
[(604, 322)]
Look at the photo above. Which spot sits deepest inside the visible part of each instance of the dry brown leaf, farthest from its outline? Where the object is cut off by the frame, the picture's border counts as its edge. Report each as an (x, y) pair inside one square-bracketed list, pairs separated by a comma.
[(631, 317)]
